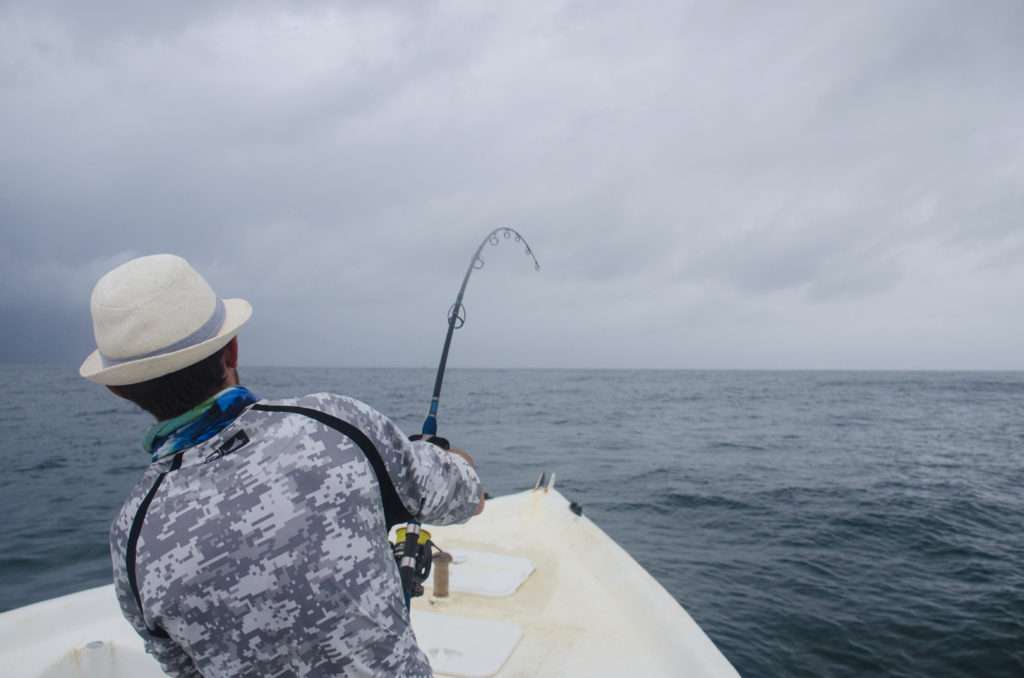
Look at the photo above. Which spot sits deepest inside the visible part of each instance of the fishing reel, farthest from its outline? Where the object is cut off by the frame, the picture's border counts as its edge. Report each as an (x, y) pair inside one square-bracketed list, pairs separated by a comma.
[(412, 551), (412, 547)]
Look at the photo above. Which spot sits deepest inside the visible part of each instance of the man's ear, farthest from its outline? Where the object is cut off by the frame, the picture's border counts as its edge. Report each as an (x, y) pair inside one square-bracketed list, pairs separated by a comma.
[(231, 354)]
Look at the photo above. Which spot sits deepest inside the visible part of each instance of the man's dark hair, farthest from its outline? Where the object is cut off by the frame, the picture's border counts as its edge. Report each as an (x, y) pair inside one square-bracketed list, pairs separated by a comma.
[(176, 393)]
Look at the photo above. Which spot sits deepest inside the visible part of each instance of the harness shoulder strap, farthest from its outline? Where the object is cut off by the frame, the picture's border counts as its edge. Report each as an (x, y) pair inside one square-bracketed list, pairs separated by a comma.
[(394, 510), (133, 542)]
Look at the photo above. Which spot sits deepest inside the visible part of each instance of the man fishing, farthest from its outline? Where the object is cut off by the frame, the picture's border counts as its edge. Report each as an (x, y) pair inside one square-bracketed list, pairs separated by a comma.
[(255, 543)]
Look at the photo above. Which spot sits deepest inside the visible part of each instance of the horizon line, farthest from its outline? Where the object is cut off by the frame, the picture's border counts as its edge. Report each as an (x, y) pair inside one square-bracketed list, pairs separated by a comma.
[(579, 369)]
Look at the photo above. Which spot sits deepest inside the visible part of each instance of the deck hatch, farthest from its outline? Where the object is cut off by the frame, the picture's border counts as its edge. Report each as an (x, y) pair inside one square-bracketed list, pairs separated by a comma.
[(480, 573), (460, 646)]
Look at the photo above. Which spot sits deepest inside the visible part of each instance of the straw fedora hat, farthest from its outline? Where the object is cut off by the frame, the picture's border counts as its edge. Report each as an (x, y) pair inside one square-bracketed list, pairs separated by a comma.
[(155, 315)]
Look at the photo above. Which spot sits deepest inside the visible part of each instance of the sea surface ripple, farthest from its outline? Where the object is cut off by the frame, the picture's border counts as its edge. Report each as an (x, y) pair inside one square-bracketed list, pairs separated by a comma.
[(813, 523)]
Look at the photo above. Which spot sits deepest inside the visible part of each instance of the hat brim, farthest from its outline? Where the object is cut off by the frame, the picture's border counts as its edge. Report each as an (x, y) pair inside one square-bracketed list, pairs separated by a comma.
[(236, 313)]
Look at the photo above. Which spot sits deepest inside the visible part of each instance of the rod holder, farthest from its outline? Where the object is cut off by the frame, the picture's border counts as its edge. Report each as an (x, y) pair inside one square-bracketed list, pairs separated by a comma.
[(442, 562)]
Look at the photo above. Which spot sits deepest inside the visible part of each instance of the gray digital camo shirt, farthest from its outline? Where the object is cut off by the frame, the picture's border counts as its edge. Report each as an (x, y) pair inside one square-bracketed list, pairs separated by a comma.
[(271, 558)]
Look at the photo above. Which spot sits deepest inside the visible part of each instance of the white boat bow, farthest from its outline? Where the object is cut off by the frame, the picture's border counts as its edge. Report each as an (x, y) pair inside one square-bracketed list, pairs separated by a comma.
[(536, 590)]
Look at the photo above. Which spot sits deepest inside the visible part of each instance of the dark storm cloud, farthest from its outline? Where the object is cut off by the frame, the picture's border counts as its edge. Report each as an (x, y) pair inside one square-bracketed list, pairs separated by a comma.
[(705, 184)]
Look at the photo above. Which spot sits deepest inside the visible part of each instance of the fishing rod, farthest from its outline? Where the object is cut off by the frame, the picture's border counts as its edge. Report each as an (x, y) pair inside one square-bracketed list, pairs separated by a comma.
[(412, 547), (457, 318)]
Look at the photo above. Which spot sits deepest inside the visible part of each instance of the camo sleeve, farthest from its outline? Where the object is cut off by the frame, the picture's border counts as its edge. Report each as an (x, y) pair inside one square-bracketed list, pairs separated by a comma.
[(172, 658), (435, 485), (446, 485)]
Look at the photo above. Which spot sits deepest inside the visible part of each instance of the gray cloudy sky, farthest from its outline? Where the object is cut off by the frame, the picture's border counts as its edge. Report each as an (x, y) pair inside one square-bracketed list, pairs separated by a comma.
[(711, 184)]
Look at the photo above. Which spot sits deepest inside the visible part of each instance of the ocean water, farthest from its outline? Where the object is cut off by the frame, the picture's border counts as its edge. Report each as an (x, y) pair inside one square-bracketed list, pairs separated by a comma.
[(813, 523)]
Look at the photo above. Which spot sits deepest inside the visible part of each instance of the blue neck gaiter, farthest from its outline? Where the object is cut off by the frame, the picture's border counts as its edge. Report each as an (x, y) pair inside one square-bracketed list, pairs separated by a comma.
[(199, 424)]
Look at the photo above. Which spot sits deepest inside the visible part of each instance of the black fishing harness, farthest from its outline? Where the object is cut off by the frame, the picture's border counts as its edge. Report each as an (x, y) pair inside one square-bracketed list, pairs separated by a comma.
[(133, 542), (394, 510)]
